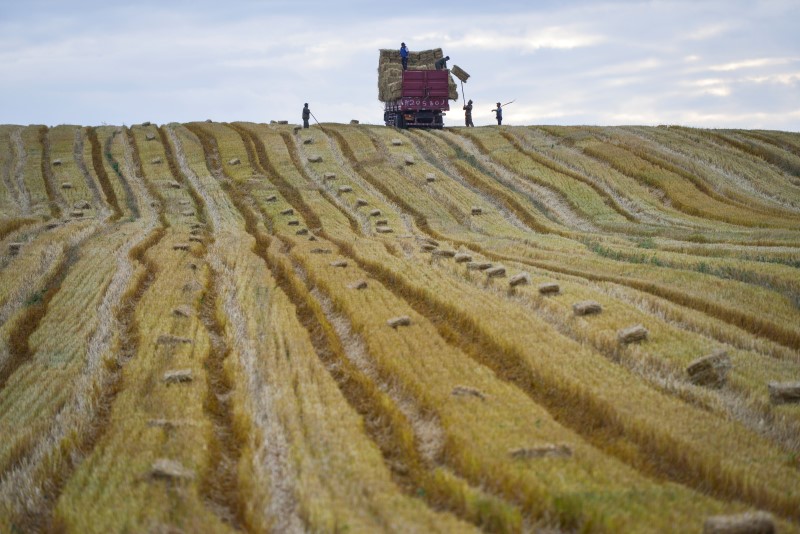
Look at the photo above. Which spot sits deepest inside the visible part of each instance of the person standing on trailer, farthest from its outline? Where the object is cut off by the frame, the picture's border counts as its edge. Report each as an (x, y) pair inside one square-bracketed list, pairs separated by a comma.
[(468, 114), (404, 55), (498, 114), (441, 63), (306, 115)]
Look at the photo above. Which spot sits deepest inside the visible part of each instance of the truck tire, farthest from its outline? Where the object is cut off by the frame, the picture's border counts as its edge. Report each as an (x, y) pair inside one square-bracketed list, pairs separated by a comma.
[(399, 122)]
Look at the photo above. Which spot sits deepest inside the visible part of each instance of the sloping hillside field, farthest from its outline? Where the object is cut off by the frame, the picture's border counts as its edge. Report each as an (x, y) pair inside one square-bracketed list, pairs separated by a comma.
[(215, 327)]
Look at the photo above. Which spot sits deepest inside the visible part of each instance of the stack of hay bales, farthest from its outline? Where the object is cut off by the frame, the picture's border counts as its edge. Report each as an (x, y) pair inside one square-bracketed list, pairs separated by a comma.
[(390, 72)]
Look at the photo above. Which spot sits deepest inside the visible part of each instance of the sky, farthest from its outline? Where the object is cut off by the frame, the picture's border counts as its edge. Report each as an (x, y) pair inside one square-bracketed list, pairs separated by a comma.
[(703, 63)]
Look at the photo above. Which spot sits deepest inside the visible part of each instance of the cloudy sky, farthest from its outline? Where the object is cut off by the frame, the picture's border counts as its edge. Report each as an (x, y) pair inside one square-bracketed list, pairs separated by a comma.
[(709, 63)]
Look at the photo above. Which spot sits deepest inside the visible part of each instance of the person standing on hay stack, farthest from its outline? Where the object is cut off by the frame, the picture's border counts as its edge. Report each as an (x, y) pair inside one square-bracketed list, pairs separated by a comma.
[(404, 55), (498, 113), (468, 114), (306, 115), (441, 63)]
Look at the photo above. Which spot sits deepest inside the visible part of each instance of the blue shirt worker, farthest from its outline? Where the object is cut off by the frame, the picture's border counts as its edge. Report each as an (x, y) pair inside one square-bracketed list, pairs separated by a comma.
[(404, 55), (306, 115), (498, 113)]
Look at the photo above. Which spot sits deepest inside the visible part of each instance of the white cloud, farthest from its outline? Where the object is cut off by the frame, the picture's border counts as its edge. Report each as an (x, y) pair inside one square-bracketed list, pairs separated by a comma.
[(752, 63)]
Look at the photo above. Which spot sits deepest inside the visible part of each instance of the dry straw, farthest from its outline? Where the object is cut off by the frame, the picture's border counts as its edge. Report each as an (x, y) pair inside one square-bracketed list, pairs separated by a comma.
[(345, 189), (462, 257), (478, 265), (315, 159), (476, 210), (430, 177), (541, 451), (587, 307), (178, 376), (521, 279), (496, 272), (170, 470), (287, 211), (329, 176), (466, 391), (632, 334), (747, 523), (361, 202), (358, 284), (234, 161), (384, 230), (549, 288), (403, 320), (784, 392), (710, 370)]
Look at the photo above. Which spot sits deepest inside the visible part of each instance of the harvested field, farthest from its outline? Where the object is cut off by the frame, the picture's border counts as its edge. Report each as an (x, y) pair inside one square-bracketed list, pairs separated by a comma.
[(212, 327)]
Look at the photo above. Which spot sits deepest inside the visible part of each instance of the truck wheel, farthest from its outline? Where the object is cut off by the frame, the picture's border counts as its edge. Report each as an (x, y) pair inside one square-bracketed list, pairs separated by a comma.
[(399, 122)]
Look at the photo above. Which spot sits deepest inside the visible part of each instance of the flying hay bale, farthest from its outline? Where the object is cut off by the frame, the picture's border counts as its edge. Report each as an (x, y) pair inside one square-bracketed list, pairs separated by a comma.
[(549, 288), (586, 307), (459, 73), (358, 284), (150, 137), (315, 159), (710, 370), (234, 161), (466, 391), (476, 210), (397, 142), (66, 185), (496, 272), (339, 263), (329, 176), (345, 189), (409, 160), (521, 279), (632, 334), (478, 265), (403, 320), (170, 470), (747, 523), (542, 451), (361, 202), (56, 162), (444, 253), (178, 376), (430, 177), (462, 257), (294, 222), (182, 311), (287, 211), (784, 392)]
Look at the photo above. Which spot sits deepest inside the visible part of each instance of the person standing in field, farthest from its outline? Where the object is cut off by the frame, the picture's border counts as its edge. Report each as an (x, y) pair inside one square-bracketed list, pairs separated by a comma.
[(306, 115), (404, 55), (468, 114), (498, 114)]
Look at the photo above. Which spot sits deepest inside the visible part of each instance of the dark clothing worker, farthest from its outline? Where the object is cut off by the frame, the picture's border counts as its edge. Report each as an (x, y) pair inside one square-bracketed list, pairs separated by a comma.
[(468, 114), (441, 63), (498, 113), (404, 55), (306, 115)]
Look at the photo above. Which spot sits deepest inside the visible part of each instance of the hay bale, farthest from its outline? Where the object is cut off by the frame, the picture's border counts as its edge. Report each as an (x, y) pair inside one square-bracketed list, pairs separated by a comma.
[(150, 137), (312, 238), (361, 202), (271, 198), (234, 161), (182, 311), (358, 284), (308, 140), (466, 391), (196, 239), (187, 213), (329, 176), (384, 230), (549, 288), (478, 265), (294, 222), (345, 189), (170, 470), (146, 123), (339, 263), (178, 376), (784, 392), (397, 142), (353, 121), (459, 73), (444, 253), (315, 159), (82, 205), (586, 307), (746, 523), (51, 225), (14, 248), (375, 213), (296, 129), (403, 320), (321, 251), (287, 211), (521, 279), (710, 370), (156, 160), (542, 451), (76, 214), (56, 162), (302, 231), (169, 339), (180, 246), (430, 177), (173, 185), (427, 247), (496, 272), (462, 257), (632, 334), (476, 210), (431, 241), (66, 185), (409, 160), (283, 122), (382, 222)]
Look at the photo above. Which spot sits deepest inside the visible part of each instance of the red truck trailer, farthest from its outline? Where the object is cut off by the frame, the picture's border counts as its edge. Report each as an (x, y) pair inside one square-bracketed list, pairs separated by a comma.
[(424, 100)]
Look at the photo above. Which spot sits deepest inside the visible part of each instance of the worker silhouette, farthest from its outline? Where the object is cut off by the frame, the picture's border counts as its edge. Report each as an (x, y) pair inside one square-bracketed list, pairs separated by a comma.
[(468, 114), (498, 113), (441, 63), (404, 55), (306, 115)]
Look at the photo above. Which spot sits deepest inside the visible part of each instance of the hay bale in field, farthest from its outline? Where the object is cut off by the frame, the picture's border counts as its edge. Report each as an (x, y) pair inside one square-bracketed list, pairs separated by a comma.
[(51, 225), (542, 451), (156, 160), (321, 251), (409, 160), (710, 370), (173, 185), (431, 241), (76, 214), (170, 470), (361, 202), (302, 231), (382, 222), (315, 158), (312, 238), (345, 189), (459, 73), (271, 198), (746, 523), (462, 257), (521, 279), (384, 230), (234, 161), (430, 177), (549, 288), (329, 176), (66, 185), (478, 265), (283, 122), (308, 140), (476, 210), (188, 213), (294, 222), (427, 247), (495, 272), (395, 322), (178, 376), (56, 162), (586, 307), (632, 334), (354, 121), (397, 142), (784, 392), (169, 339), (444, 253), (196, 239), (296, 129), (180, 246), (82, 205), (358, 284), (196, 231), (287, 211), (150, 137), (182, 311), (466, 391), (14, 248), (375, 213), (339, 263)]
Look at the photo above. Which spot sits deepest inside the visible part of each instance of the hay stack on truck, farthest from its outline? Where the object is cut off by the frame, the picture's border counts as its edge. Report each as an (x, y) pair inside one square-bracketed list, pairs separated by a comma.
[(418, 97)]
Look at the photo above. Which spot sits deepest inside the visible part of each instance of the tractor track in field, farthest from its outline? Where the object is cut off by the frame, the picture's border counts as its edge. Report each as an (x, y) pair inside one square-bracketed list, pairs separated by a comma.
[(104, 209), (56, 201), (21, 193)]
